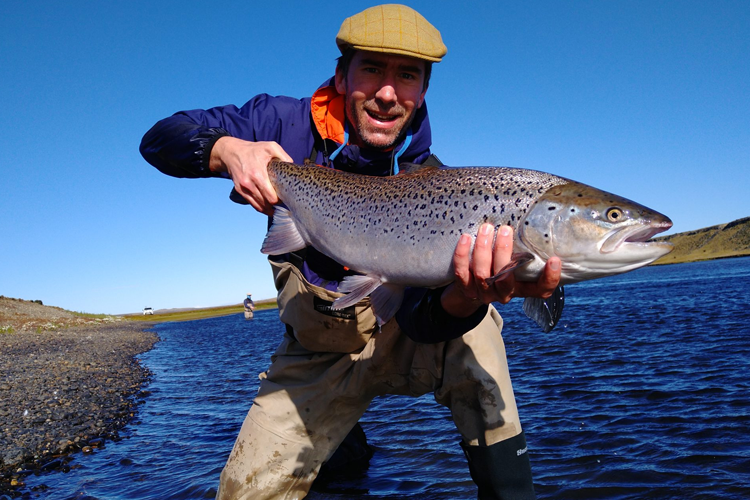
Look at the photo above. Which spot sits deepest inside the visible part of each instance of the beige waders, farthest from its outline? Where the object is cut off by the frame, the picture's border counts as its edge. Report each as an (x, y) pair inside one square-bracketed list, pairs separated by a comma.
[(329, 367)]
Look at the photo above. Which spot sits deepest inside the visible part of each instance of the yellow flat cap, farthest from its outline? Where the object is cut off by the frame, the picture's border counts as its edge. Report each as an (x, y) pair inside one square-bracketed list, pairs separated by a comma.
[(393, 29)]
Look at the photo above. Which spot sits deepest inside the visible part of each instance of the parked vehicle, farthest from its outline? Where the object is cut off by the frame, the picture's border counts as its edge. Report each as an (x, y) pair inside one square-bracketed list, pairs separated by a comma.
[(147, 310)]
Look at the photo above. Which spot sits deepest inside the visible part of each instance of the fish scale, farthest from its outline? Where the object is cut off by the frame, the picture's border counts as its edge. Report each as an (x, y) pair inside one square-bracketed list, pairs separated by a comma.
[(431, 207), (402, 230)]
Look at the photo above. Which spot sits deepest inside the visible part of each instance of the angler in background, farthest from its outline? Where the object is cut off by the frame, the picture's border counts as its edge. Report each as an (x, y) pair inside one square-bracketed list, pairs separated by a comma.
[(249, 306), (368, 119)]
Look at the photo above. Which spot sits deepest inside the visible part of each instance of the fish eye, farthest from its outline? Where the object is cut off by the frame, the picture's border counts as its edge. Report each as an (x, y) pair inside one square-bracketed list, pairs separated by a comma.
[(614, 214)]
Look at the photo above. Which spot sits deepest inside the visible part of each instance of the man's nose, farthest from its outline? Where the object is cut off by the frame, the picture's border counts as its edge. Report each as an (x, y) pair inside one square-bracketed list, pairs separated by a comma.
[(387, 93)]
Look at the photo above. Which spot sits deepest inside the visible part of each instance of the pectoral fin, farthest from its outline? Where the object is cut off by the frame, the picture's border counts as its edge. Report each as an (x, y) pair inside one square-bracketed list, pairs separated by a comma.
[(516, 260), (545, 312), (283, 235)]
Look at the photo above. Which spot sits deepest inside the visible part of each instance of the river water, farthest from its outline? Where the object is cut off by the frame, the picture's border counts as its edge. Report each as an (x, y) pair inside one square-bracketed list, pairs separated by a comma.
[(642, 391)]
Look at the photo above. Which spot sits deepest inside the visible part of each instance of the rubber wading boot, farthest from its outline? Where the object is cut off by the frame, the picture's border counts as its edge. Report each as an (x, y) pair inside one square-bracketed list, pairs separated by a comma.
[(501, 471)]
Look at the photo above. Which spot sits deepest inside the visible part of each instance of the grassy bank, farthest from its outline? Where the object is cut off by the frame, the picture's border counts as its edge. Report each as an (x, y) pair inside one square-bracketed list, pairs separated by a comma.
[(716, 242), (725, 240), (193, 314)]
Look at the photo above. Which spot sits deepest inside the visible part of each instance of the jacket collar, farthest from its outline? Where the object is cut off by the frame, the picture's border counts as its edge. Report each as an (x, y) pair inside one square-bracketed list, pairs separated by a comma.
[(328, 115)]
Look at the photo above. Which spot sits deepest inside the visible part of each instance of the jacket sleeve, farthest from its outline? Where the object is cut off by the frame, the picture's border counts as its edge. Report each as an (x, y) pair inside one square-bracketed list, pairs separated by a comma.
[(423, 319), (180, 145)]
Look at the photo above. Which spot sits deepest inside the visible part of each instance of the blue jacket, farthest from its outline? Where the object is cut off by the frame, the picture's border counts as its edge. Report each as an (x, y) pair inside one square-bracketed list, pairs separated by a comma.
[(180, 146)]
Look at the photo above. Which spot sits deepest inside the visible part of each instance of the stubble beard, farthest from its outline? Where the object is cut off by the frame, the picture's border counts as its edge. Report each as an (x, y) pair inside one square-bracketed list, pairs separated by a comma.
[(365, 131)]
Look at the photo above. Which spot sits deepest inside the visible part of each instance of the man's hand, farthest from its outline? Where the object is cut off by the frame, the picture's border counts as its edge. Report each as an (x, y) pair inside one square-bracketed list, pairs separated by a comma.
[(469, 291), (246, 163)]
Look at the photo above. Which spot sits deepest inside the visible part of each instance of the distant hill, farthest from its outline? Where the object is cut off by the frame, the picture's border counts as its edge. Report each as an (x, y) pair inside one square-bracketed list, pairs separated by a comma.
[(725, 240)]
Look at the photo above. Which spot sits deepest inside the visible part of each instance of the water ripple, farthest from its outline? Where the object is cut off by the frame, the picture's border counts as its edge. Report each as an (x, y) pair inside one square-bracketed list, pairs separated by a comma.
[(641, 392)]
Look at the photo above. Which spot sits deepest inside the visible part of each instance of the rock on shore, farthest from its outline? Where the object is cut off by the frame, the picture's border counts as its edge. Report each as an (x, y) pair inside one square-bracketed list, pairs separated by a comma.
[(67, 383)]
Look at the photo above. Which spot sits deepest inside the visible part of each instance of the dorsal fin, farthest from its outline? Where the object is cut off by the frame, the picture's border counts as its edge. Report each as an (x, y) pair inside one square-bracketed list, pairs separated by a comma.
[(414, 168)]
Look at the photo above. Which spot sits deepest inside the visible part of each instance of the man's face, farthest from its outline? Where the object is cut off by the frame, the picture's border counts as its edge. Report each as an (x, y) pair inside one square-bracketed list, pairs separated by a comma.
[(383, 93)]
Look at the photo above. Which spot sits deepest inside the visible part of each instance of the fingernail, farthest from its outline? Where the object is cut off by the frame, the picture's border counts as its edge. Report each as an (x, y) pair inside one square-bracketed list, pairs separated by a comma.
[(486, 229), (555, 265), (464, 240), (504, 231)]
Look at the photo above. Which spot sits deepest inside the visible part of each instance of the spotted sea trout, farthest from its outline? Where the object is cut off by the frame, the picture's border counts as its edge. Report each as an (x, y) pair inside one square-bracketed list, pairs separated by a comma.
[(401, 231)]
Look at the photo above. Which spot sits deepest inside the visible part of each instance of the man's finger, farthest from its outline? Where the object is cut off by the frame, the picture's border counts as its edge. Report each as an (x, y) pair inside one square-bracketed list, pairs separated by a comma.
[(505, 287), (482, 256), (461, 269), (503, 248), (545, 285), (278, 152), (550, 278)]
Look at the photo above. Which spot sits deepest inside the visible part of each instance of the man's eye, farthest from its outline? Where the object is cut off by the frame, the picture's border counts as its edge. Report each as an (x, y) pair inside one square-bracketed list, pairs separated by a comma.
[(408, 76)]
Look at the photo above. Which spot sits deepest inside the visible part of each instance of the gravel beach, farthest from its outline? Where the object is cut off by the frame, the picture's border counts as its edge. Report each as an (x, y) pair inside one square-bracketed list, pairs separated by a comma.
[(68, 383)]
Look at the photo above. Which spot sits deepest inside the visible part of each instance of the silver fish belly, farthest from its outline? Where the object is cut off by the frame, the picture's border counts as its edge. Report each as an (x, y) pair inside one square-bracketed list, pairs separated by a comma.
[(402, 231)]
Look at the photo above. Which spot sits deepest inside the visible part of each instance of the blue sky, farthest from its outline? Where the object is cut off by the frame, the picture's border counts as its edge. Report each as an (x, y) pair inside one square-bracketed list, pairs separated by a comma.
[(650, 100)]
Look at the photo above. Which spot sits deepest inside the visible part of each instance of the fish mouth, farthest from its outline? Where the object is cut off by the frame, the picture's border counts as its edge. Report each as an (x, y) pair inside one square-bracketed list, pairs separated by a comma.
[(636, 235)]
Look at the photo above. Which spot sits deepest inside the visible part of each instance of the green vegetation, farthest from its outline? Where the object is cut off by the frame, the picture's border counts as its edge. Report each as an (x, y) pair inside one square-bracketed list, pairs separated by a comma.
[(193, 314), (715, 242), (90, 315)]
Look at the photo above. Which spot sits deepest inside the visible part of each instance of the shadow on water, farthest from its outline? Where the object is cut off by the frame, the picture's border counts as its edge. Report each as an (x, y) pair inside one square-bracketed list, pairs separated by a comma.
[(640, 392)]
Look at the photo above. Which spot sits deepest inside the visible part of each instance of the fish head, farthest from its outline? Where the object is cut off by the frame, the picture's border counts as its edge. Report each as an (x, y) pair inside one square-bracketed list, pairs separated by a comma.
[(594, 233)]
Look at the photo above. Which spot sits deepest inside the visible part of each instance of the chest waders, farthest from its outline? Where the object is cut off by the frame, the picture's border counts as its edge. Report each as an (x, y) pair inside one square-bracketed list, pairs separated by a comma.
[(329, 367)]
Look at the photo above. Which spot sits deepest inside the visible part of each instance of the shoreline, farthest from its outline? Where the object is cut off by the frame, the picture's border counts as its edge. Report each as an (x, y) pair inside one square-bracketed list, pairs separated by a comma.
[(163, 316), (66, 390), (69, 384)]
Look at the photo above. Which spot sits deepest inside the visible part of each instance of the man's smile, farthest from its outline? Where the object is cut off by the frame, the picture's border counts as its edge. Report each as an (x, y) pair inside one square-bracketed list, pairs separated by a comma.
[(381, 117)]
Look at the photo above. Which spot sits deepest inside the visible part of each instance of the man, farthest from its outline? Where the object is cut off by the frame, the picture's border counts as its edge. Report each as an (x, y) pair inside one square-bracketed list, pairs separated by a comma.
[(330, 364), (249, 306)]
